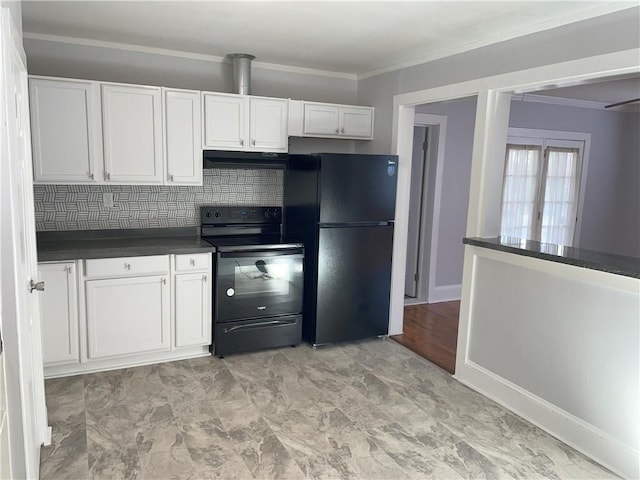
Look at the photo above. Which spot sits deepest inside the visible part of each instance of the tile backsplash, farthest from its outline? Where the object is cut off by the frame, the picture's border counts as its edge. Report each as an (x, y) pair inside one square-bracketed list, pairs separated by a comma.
[(80, 207)]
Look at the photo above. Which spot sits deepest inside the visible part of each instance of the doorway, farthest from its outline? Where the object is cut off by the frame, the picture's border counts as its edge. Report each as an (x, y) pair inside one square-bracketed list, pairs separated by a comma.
[(427, 158)]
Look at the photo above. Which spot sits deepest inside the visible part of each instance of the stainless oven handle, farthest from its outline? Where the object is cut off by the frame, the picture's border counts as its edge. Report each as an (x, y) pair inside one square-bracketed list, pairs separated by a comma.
[(259, 324), (291, 253)]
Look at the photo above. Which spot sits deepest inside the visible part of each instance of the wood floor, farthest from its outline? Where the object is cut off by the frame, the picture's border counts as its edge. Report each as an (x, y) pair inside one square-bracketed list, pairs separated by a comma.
[(431, 330)]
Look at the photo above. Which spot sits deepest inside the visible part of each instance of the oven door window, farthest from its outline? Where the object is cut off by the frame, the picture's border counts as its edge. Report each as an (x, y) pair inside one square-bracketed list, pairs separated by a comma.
[(258, 284)]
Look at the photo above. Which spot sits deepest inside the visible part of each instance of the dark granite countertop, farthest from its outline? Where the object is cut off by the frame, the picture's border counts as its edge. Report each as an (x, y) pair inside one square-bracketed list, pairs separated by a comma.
[(84, 244), (605, 262)]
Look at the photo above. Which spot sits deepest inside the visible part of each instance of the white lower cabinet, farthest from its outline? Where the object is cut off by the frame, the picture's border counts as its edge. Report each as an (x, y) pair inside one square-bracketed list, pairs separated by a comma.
[(108, 313), (192, 296), (59, 312), (127, 316), (192, 309)]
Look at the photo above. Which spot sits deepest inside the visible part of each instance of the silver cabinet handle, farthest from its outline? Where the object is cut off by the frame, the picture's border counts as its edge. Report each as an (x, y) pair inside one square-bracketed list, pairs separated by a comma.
[(242, 143), (107, 175), (253, 142), (192, 262), (163, 281), (127, 266), (91, 176), (171, 178), (342, 130), (204, 278), (68, 270), (39, 286), (337, 131)]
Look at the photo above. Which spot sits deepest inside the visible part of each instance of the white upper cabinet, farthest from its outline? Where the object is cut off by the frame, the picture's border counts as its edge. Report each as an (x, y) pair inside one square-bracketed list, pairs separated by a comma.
[(356, 122), (132, 134), (182, 137), (336, 121), (321, 119), (65, 131), (240, 122), (268, 124), (224, 125)]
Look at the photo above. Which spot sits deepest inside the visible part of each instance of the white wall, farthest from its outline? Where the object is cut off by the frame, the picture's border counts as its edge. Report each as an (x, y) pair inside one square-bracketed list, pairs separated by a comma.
[(116, 65), (611, 212), (609, 33), (454, 199)]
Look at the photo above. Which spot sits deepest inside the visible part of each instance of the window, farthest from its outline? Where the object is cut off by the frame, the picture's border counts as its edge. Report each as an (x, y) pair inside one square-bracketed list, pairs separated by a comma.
[(541, 189)]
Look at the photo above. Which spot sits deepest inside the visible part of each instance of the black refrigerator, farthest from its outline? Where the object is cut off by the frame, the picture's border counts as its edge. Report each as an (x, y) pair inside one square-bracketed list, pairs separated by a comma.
[(342, 207)]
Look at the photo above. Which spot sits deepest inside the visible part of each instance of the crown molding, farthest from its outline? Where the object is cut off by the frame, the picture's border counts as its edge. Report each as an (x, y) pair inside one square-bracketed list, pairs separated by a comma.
[(85, 42)]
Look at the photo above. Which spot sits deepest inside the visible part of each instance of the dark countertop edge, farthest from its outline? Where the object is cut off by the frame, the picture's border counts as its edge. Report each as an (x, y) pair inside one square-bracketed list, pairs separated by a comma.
[(71, 245), (604, 262)]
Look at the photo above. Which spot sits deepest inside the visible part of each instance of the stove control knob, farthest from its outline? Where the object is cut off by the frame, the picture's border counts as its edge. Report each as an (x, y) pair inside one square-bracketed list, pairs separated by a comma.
[(230, 292), (208, 214), (217, 214)]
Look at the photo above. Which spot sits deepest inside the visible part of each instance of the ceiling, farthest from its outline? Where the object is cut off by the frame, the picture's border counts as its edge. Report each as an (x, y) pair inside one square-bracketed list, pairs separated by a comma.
[(349, 37), (605, 92)]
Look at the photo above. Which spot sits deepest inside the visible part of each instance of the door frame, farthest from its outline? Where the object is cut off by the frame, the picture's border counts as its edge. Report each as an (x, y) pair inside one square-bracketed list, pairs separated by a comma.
[(440, 121)]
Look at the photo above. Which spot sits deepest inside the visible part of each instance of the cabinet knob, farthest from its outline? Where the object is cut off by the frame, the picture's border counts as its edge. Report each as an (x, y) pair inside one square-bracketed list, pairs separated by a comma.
[(342, 130), (91, 176), (163, 281), (107, 175), (171, 178), (68, 270), (127, 266), (253, 142), (337, 131), (242, 143), (204, 278), (192, 262)]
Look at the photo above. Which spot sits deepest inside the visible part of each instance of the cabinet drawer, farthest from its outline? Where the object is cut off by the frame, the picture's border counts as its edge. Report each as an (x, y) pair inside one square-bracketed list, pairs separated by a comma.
[(125, 266), (197, 261)]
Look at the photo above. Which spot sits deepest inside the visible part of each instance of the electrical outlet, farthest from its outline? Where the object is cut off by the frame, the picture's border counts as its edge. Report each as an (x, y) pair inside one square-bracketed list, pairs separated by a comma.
[(107, 199)]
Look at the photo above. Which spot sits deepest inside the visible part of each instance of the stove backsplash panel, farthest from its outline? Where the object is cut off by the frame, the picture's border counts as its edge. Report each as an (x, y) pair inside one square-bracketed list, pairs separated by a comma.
[(80, 207)]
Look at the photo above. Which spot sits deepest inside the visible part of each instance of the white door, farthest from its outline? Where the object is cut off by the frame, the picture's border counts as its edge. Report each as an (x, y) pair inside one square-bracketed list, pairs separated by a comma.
[(127, 316), (321, 119), (225, 118), (59, 311), (192, 309), (183, 145), (413, 270), (64, 125), (132, 134), (268, 124), (356, 122), (26, 411)]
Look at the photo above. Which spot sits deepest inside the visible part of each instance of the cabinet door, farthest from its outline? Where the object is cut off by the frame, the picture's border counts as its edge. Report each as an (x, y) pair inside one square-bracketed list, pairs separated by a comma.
[(132, 134), (183, 145), (268, 124), (224, 121), (321, 119), (127, 316), (59, 307), (356, 122), (193, 309), (65, 130)]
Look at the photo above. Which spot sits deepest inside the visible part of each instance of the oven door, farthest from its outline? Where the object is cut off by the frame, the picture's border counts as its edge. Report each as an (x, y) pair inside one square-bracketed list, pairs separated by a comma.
[(258, 283)]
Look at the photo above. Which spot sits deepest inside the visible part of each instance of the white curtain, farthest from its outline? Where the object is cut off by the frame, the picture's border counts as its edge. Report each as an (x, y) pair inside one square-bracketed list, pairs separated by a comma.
[(560, 196), (520, 191)]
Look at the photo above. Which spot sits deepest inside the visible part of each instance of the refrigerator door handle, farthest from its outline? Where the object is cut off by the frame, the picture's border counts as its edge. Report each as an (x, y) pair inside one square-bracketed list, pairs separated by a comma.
[(356, 224)]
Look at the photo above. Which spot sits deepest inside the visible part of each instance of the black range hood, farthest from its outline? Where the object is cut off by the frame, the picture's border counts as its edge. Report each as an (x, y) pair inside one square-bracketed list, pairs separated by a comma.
[(230, 159)]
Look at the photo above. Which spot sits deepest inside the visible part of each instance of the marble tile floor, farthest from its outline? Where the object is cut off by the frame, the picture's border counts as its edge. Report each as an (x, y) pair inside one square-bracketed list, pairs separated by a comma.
[(366, 410)]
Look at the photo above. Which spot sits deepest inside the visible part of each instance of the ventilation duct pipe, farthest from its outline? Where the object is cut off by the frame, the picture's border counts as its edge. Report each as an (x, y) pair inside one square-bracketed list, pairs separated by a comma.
[(241, 72)]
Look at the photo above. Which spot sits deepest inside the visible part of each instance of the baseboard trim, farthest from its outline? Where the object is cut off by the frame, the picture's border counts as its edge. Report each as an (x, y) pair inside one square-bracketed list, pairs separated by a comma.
[(445, 293), (575, 432)]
